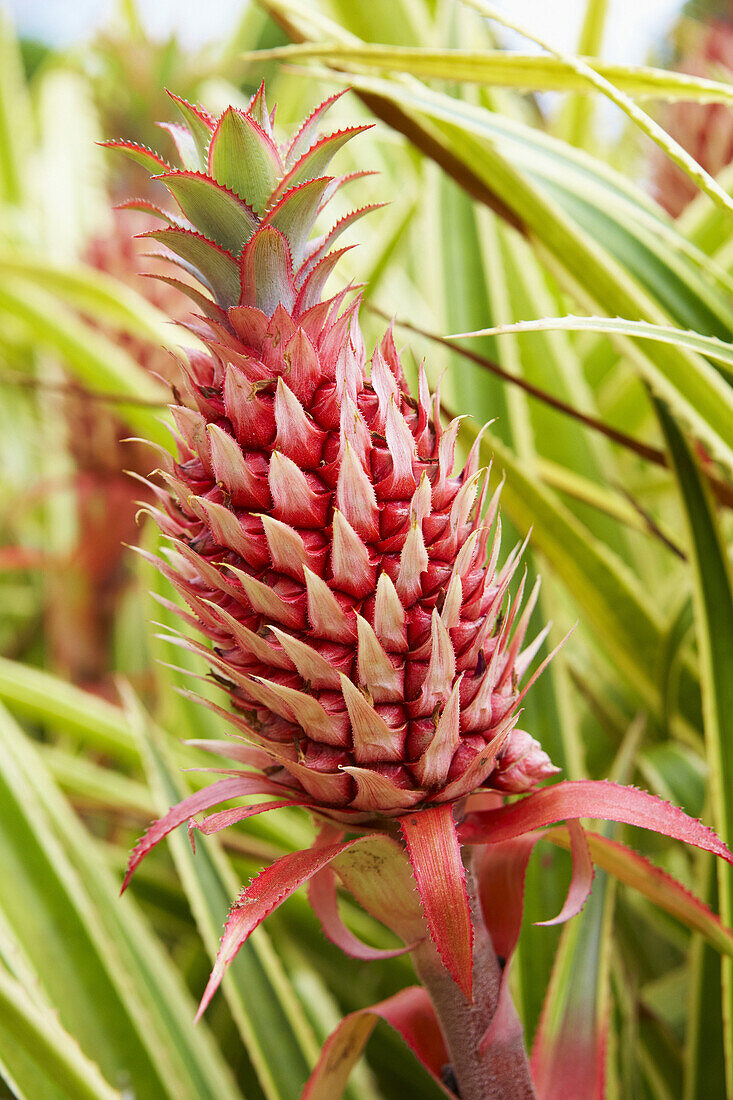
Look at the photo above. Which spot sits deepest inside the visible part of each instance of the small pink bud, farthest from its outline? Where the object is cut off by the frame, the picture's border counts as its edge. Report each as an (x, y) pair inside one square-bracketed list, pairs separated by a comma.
[(523, 765)]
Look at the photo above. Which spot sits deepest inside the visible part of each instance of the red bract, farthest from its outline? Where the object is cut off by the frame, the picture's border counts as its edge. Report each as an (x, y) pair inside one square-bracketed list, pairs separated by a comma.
[(345, 573)]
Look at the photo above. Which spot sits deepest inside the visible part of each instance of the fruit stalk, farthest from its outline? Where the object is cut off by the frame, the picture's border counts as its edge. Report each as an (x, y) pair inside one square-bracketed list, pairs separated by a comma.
[(484, 1064)]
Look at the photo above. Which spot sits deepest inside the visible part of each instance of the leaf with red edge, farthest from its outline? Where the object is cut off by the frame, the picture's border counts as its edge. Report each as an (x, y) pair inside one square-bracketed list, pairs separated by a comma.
[(500, 871), (316, 159), (214, 823), (582, 877), (147, 207), (295, 213), (312, 289), (244, 158), (188, 153), (198, 121), (306, 135), (569, 1050), (435, 855), (377, 873), (267, 271), (655, 884), (220, 791), (409, 1012), (140, 154), (318, 248), (257, 108), (213, 265), (207, 306), (256, 901), (324, 903), (212, 209), (593, 799)]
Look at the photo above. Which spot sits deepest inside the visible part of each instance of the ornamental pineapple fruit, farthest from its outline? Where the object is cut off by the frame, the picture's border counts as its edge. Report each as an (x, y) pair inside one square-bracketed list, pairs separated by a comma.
[(342, 570)]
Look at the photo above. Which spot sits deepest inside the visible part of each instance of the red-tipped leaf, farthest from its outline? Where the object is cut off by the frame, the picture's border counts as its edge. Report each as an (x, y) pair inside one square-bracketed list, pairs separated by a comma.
[(244, 158), (582, 877), (409, 1012), (435, 856), (256, 901), (220, 791), (140, 154), (215, 211), (214, 823), (500, 871), (655, 884), (324, 903), (593, 799), (216, 267)]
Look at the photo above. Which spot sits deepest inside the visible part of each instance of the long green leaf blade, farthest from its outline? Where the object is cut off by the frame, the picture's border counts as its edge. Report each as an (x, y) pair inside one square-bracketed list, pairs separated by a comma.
[(53, 918), (273, 1026), (39, 1057), (709, 346), (499, 68), (95, 361), (713, 605), (137, 960)]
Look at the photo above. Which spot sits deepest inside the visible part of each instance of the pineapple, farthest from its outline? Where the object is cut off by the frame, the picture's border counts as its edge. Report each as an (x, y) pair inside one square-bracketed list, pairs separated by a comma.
[(322, 540), (357, 615)]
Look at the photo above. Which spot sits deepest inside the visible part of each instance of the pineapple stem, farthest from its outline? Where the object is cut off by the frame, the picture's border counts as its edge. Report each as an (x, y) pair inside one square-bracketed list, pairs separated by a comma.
[(501, 1071)]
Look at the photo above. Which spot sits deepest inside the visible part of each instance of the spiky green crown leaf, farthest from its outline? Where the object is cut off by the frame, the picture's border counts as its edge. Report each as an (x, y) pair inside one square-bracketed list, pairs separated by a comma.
[(247, 206)]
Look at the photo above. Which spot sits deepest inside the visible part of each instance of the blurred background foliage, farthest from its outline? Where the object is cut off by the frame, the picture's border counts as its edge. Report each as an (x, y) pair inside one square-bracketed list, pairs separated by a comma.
[(508, 203)]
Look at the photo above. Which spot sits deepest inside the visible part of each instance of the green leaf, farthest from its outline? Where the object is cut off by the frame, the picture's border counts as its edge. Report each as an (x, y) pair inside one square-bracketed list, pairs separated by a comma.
[(137, 961), (394, 21), (576, 119), (500, 68), (551, 363), (51, 914), (214, 266), (596, 273), (574, 1017), (601, 499), (51, 700), (15, 115), (197, 124), (94, 785), (464, 293), (212, 210), (99, 295), (296, 212), (244, 159), (676, 152), (698, 393), (713, 606), (709, 346), (94, 360), (704, 1065), (657, 886), (38, 1057), (272, 1024)]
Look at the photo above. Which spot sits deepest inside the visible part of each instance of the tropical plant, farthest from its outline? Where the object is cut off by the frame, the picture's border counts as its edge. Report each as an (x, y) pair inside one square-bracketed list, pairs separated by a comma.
[(613, 436)]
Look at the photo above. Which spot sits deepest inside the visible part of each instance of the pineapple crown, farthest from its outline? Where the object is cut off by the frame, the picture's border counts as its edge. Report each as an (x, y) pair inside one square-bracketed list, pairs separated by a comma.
[(247, 205)]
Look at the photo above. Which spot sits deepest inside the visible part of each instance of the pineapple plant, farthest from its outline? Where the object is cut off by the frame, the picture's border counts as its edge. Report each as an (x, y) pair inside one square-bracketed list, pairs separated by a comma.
[(350, 585), (705, 48)]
